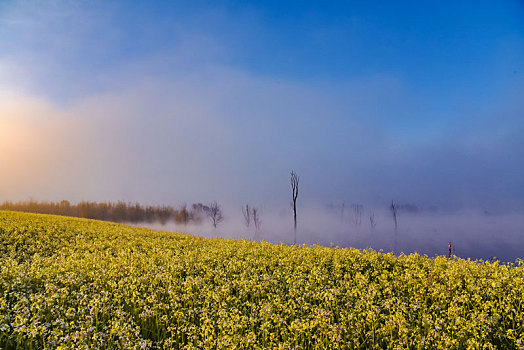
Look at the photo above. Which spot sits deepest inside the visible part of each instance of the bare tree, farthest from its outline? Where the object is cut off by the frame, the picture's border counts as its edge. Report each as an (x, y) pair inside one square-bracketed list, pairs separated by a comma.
[(372, 221), (255, 214), (247, 215), (214, 212), (357, 210), (393, 209), (294, 191)]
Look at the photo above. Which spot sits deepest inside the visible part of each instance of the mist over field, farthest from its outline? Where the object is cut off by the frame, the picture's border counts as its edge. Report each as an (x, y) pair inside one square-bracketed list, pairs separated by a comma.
[(473, 234)]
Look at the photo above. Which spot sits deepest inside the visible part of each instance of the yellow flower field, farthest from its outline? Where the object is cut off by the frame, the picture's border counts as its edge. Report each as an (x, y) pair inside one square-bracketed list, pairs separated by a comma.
[(83, 284)]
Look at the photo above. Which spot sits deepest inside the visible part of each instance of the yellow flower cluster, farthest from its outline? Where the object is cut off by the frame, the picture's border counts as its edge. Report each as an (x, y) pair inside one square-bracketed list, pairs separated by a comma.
[(73, 283)]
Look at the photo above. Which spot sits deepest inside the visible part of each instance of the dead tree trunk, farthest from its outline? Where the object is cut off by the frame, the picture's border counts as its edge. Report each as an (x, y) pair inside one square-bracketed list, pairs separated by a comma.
[(394, 212), (372, 221), (294, 191), (247, 215), (256, 220)]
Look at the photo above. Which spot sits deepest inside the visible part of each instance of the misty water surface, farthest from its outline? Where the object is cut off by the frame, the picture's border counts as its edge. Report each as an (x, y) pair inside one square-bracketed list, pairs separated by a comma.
[(474, 235)]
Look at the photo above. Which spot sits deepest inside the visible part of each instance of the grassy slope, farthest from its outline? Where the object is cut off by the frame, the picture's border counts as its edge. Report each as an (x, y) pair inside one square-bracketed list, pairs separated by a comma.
[(76, 283)]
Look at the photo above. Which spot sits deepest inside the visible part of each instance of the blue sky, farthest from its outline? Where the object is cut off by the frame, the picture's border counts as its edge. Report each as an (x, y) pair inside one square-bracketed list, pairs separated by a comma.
[(172, 101)]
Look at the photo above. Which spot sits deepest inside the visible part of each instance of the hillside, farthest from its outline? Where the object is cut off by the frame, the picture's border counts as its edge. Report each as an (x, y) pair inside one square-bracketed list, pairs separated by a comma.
[(77, 283)]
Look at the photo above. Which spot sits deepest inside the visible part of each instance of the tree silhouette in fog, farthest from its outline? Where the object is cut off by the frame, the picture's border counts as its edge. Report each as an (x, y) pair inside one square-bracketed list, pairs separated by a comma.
[(294, 194), (214, 213)]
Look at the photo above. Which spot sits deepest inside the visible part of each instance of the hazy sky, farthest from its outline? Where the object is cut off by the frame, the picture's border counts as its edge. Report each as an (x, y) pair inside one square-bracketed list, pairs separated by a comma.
[(179, 101)]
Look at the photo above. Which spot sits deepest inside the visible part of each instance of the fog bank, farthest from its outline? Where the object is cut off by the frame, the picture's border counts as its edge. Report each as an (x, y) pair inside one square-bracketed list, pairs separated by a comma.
[(473, 234)]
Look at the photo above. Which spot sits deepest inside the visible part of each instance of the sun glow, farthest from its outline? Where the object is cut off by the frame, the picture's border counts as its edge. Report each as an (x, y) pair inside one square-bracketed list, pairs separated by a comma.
[(27, 136), (18, 129)]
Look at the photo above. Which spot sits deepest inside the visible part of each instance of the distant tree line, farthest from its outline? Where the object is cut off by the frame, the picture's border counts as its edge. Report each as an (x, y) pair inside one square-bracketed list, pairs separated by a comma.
[(121, 211)]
